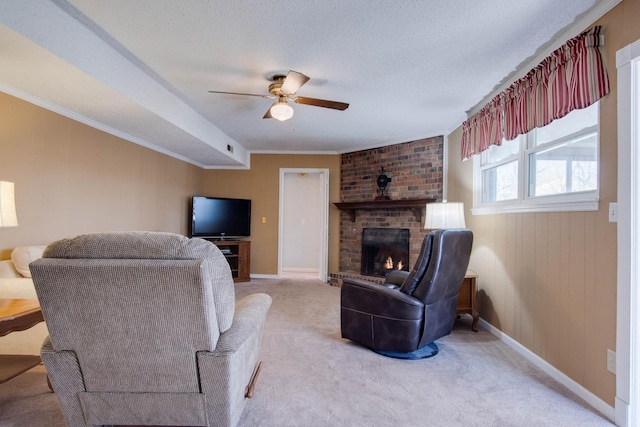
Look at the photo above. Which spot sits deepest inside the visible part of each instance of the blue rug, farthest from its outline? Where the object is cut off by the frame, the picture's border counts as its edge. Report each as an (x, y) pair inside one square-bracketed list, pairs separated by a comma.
[(428, 350)]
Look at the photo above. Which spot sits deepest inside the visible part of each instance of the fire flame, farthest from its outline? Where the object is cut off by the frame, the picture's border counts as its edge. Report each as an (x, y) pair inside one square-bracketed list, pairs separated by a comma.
[(389, 264)]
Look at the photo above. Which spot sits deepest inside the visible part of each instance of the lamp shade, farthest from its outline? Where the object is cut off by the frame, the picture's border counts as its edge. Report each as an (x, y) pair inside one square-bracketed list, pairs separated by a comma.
[(444, 215), (8, 217), (281, 111)]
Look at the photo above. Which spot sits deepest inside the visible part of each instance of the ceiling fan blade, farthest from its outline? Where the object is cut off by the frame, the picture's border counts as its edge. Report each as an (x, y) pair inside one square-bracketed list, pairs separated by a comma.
[(268, 114), (293, 82), (239, 93), (322, 103)]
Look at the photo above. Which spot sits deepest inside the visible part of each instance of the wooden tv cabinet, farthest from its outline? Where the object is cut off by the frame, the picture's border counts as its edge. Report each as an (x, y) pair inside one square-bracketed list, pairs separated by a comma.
[(238, 255)]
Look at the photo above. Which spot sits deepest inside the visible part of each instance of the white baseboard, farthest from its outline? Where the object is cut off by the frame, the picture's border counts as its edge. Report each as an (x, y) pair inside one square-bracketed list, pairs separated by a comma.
[(300, 270), (264, 276), (593, 400)]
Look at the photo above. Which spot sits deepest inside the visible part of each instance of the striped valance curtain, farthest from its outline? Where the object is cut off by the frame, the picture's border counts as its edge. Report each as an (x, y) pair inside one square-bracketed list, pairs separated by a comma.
[(485, 128), (572, 77)]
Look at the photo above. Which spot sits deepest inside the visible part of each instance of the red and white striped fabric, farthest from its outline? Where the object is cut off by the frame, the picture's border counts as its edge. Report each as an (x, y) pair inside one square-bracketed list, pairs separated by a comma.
[(483, 129), (572, 77)]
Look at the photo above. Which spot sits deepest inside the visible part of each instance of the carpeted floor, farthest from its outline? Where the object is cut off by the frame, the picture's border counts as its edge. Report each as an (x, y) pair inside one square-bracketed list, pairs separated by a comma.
[(312, 377)]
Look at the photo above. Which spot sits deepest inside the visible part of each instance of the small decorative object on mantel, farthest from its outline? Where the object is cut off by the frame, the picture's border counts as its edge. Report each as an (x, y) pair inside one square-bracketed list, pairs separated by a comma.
[(383, 183)]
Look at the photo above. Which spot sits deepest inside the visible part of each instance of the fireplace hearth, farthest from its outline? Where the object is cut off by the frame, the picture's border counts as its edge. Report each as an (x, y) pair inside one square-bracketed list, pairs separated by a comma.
[(384, 250)]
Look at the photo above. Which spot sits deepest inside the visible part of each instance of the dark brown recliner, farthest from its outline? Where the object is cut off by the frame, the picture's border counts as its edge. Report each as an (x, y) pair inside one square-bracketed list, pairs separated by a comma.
[(405, 315)]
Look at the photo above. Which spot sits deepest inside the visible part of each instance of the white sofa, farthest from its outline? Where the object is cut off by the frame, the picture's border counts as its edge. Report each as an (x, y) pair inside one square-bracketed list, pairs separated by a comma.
[(15, 282)]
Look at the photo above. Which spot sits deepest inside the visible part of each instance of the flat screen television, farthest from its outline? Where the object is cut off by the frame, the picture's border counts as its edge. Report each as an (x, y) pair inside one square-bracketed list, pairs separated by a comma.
[(220, 218)]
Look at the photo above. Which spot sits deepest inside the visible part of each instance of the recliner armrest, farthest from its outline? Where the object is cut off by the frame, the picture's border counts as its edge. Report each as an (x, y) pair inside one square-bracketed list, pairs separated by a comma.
[(250, 313), (227, 371), (368, 297), (396, 278)]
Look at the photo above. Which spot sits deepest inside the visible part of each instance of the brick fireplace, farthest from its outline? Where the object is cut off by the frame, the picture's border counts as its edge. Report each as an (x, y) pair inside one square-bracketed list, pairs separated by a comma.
[(416, 172), (384, 250)]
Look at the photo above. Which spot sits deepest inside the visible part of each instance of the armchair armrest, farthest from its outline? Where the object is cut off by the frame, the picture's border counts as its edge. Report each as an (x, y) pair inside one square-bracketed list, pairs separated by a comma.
[(395, 278), (249, 316), (379, 300), (235, 358)]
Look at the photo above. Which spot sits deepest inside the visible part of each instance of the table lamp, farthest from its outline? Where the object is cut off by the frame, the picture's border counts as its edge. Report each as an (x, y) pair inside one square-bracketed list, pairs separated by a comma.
[(444, 215)]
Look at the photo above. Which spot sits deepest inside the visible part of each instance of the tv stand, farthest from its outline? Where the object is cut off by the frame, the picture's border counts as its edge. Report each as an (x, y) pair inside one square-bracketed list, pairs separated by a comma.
[(238, 255)]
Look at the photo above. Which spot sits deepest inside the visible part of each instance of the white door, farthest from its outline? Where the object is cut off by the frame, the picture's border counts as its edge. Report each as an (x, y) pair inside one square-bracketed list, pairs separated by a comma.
[(303, 222)]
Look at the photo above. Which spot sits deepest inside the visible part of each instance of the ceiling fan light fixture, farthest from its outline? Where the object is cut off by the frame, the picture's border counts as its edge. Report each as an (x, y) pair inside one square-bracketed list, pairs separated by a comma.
[(283, 88), (281, 111)]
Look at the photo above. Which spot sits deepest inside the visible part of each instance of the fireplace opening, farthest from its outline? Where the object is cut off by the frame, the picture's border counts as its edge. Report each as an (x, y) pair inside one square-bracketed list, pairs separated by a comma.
[(384, 250)]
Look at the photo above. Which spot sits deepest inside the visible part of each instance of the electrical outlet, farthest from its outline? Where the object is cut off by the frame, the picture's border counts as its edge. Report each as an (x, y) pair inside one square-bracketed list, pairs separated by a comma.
[(611, 361), (613, 212)]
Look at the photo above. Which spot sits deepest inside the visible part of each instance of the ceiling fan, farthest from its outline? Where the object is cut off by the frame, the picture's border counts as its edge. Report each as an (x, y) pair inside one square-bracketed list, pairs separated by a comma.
[(284, 88)]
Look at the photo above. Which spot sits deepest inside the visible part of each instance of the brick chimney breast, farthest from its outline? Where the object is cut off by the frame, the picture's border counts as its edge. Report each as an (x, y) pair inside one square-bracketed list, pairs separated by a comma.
[(417, 170)]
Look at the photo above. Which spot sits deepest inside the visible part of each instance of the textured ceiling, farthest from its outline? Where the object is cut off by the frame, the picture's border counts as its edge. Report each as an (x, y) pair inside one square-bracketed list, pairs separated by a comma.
[(141, 69)]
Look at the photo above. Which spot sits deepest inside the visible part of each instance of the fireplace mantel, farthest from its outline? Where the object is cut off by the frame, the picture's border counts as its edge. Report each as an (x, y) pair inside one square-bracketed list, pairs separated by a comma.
[(415, 205)]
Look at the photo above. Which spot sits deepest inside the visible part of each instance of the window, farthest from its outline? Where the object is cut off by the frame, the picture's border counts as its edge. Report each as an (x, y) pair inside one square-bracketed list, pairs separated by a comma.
[(554, 168), (500, 172)]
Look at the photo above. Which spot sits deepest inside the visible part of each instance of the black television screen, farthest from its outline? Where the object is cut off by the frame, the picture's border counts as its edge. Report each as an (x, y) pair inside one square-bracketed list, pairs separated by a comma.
[(217, 217)]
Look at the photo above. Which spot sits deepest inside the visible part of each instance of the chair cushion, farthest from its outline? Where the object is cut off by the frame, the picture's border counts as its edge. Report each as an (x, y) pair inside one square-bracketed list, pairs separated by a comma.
[(415, 276), (448, 264)]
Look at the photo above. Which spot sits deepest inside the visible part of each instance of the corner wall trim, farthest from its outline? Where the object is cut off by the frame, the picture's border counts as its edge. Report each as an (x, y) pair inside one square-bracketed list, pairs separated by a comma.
[(593, 400)]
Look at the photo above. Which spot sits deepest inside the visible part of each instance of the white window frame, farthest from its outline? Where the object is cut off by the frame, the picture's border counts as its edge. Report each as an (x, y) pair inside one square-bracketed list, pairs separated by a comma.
[(576, 201)]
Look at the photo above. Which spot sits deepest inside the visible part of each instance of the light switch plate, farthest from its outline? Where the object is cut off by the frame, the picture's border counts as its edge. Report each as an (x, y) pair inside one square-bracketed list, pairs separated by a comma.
[(611, 361), (613, 212)]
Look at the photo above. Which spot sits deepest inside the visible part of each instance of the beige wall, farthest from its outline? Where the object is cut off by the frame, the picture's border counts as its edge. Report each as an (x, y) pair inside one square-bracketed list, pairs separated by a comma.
[(548, 280), (71, 179), (261, 185)]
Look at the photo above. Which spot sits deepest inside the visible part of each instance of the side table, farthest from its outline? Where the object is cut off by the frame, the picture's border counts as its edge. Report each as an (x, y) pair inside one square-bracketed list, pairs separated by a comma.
[(17, 315), (467, 302)]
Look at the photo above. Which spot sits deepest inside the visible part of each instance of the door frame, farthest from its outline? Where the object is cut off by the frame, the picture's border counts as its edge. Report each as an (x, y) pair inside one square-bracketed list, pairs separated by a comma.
[(627, 410), (323, 264)]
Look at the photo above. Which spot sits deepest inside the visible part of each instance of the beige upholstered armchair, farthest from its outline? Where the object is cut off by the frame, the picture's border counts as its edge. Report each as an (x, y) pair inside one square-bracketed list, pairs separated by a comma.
[(144, 330)]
